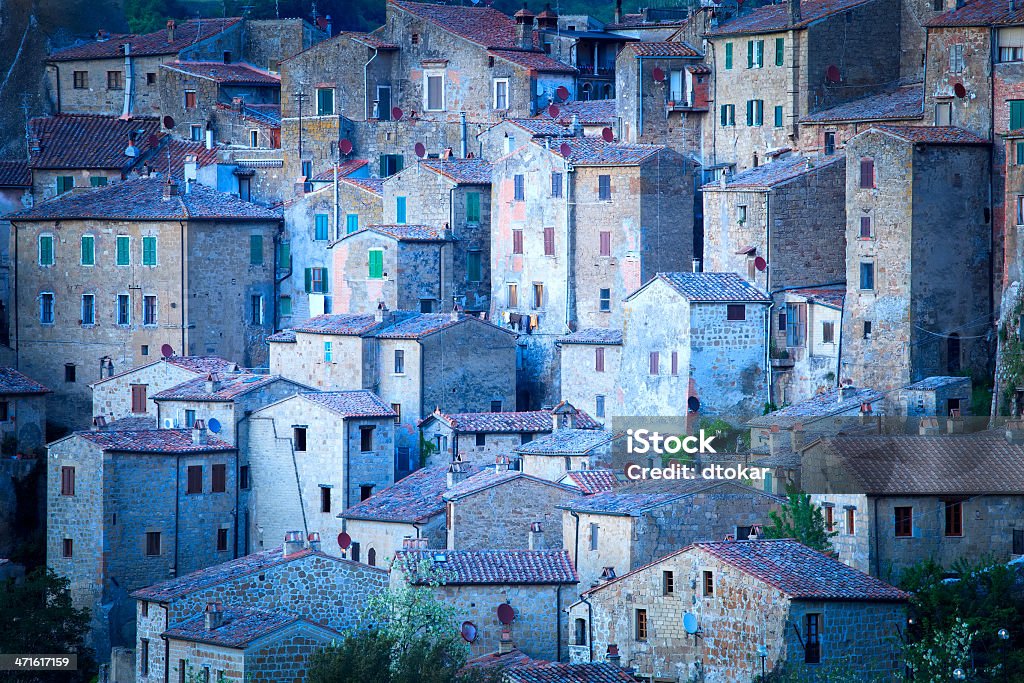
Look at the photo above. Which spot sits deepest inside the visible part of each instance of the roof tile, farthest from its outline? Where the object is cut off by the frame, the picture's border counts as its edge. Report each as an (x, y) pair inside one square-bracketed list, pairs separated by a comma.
[(15, 173), (170, 441), (357, 403), (461, 171), (980, 13), (713, 287), (662, 48), (409, 500), (509, 422), (14, 382), (89, 141), (597, 152), (902, 103), (773, 18), (235, 73), (820, 405), (227, 387), (488, 567), (240, 627), (592, 481), (568, 442), (774, 173), (933, 135), (186, 34), (592, 335), (633, 499)]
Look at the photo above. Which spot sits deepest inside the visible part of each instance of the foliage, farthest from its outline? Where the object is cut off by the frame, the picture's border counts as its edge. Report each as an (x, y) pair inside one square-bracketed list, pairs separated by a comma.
[(146, 16), (801, 519), (727, 438), (833, 672), (933, 659), (1011, 352), (427, 449), (37, 617)]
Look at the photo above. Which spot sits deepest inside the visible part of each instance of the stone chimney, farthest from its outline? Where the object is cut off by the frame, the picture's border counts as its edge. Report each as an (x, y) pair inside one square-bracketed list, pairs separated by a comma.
[(536, 536), (381, 312), (618, 11), (199, 433), (214, 615), (456, 473), (410, 543), (796, 437), (237, 103), (1015, 432), (929, 426), (548, 19), (292, 543), (563, 416), (613, 655), (524, 28), (506, 644), (456, 308), (212, 384), (774, 440), (794, 12), (577, 127), (170, 189), (313, 541), (99, 423), (170, 30), (501, 463)]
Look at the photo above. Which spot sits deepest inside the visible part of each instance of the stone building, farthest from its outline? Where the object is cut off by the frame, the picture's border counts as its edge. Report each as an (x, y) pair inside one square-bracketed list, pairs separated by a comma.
[(779, 62), (128, 508), (520, 510), (572, 235), (695, 336), (804, 342), (761, 605), (22, 411), (614, 532), (508, 135), (918, 295), (825, 414), (15, 195), (130, 393), (898, 500), (480, 437), (565, 450), (583, 42), (589, 361), (115, 273), (285, 580), (936, 396), (591, 481), (337, 448), (826, 131), (534, 583)]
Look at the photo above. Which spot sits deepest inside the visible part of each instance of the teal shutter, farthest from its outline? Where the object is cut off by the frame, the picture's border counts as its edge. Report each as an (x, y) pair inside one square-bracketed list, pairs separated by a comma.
[(284, 255), (256, 250), (88, 250), (778, 117), (123, 247), (473, 207), (376, 264), (780, 51), (46, 250), (728, 55), (309, 280), (750, 112), (400, 210), (725, 119), (1020, 153), (285, 305), (149, 251), (321, 230), (325, 278), (473, 266), (1016, 114), (399, 163), (98, 180), (750, 54), (351, 223)]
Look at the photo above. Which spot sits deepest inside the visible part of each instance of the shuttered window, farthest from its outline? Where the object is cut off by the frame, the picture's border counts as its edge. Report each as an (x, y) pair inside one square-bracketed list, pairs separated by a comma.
[(400, 215), (46, 250), (867, 173), (1016, 114), (728, 56), (194, 479), (123, 250), (604, 187), (780, 51), (599, 359), (519, 187), (149, 251), (138, 398), (320, 227), (556, 185), (220, 478), (472, 207), (67, 481), (474, 266), (517, 241), (376, 261), (778, 117), (88, 250), (655, 361), (606, 243), (549, 241)]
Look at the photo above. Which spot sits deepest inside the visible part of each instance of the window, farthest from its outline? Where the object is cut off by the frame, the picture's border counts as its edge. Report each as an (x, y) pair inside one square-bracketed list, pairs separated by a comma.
[(865, 227), (400, 214), (255, 250), (594, 528), (796, 324), (256, 309), (728, 56), (867, 275), (88, 250), (366, 438), (434, 90), (123, 250), (641, 624), (538, 295), (46, 308), (867, 329), (501, 93), (778, 116), (903, 518), (736, 312), (5, 411), (780, 51), (88, 309), (149, 310), (549, 241), (426, 305), (606, 243), (830, 143), (139, 399), (316, 281), (812, 638), (222, 540), (708, 583), (513, 295), (599, 359), (65, 183), (604, 187), (481, 439), (325, 101), (599, 405), (68, 548), (675, 87), (325, 499), (556, 185), (943, 113), (152, 543), (243, 477), (474, 266), (830, 522), (519, 187), (605, 300), (115, 80), (365, 491), (675, 363), (376, 261), (867, 173), (654, 361), (124, 316), (320, 229), (396, 408), (956, 58), (195, 479), (195, 133), (581, 632), (70, 373), (1020, 210), (254, 137), (851, 521), (390, 164), (81, 80), (67, 481), (190, 99), (517, 241), (46, 250), (328, 352), (668, 583), (472, 207), (284, 305), (144, 655), (741, 213), (98, 181), (399, 362), (219, 473), (755, 54), (510, 143), (755, 112), (828, 332), (1018, 542), (190, 418), (728, 117), (495, 406), (299, 439)]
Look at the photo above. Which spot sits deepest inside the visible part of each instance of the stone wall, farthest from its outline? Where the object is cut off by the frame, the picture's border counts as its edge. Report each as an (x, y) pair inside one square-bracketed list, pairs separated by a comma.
[(581, 383), (384, 539), (96, 98), (285, 658), (26, 421), (112, 397)]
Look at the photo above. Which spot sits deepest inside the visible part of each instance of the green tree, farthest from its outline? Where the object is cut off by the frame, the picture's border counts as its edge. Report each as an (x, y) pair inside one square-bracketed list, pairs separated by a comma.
[(800, 519), (146, 16), (37, 617)]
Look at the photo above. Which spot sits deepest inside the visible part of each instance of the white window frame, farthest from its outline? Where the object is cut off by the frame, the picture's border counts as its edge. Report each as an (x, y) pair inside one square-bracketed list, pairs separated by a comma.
[(427, 75), (494, 94), (117, 310), (262, 311), (53, 308), (192, 133), (254, 137), (93, 310), (156, 311)]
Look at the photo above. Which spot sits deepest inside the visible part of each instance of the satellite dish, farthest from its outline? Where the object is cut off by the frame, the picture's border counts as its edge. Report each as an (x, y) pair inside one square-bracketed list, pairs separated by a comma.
[(608, 134), (760, 263), (690, 624), (562, 92), (959, 90), (152, 141), (832, 74), (421, 151), (468, 630), (693, 404), (344, 540), (658, 74), (213, 424), (506, 614), (565, 150), (166, 351), (168, 122), (553, 111), (397, 113), (345, 146)]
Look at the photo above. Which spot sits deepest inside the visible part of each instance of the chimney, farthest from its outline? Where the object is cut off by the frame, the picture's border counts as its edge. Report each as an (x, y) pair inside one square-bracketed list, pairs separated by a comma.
[(536, 536), (99, 423), (191, 168), (524, 28), (774, 440), (170, 190), (577, 128), (796, 437), (456, 473), (381, 313), (845, 390), (214, 615), (548, 19), (456, 308), (328, 28), (1015, 431), (463, 135), (613, 655), (209, 138), (506, 644), (237, 103), (212, 384), (313, 541), (501, 463), (410, 543), (794, 12), (929, 426), (292, 543), (170, 30), (618, 11), (698, 266), (199, 433)]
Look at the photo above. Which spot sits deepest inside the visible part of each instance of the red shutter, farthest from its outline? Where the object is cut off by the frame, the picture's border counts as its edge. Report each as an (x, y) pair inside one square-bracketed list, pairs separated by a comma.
[(599, 359), (549, 241), (867, 173), (606, 243), (654, 362), (138, 398), (67, 481), (517, 241), (675, 362)]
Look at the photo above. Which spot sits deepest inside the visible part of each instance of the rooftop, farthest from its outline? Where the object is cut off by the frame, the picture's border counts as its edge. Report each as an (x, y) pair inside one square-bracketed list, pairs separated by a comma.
[(487, 567), (371, 185), (541, 126), (15, 173), (481, 25), (774, 18), (591, 481), (634, 499), (186, 34), (568, 442), (417, 325), (133, 423), (240, 627), (409, 500), (535, 60), (177, 151), (495, 423), (198, 365), (592, 335), (89, 141), (235, 73), (14, 382), (406, 233), (142, 199), (560, 672), (369, 40), (490, 477), (348, 324), (980, 13), (827, 295), (774, 173), (662, 48), (709, 287), (284, 336), (590, 113), (643, 20), (933, 383), (169, 441), (358, 403), (899, 104), (345, 168), (461, 171), (932, 135), (597, 152), (227, 387), (820, 405)]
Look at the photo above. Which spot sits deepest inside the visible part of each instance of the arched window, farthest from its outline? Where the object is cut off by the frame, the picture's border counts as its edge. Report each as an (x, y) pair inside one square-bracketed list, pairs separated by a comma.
[(953, 353), (581, 632), (586, 92), (607, 92), (371, 557)]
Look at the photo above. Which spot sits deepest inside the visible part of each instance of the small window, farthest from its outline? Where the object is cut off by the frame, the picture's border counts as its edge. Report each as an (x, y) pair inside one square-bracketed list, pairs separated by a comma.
[(728, 56), (830, 143), (149, 310), (481, 439), (472, 207), (594, 529), (299, 439), (400, 210), (68, 548), (88, 250), (501, 94), (399, 362), (46, 250), (867, 329), (903, 518), (604, 187), (115, 80), (67, 481), (190, 99), (755, 54), (778, 116), (517, 241), (828, 332), (641, 624), (65, 183), (954, 518), (581, 632), (219, 475), (956, 58), (538, 295), (654, 362), (222, 540), (605, 300), (513, 295), (755, 112), (256, 309), (867, 275), (243, 477), (376, 261), (780, 51), (830, 522), (865, 227), (123, 255), (599, 405), (851, 521), (371, 557), (81, 80), (255, 250), (325, 101), (366, 438), (195, 479), (556, 185), (708, 583), (195, 133), (426, 305), (190, 418), (320, 229), (736, 312), (397, 409), (812, 639), (325, 499), (474, 266), (144, 651), (549, 241), (152, 543), (139, 399), (70, 372), (867, 173), (150, 78), (519, 187), (351, 223), (434, 91), (675, 363), (668, 583), (365, 491), (46, 315), (605, 243), (728, 115), (495, 406)]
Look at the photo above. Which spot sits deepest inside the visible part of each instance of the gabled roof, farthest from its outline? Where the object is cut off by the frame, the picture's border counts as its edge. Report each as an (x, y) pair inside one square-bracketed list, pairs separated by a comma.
[(142, 199), (560, 672), (186, 34), (349, 404), (404, 233), (532, 421), (133, 423), (488, 567), (197, 365), (283, 337), (489, 477), (980, 13), (589, 112), (642, 20), (369, 40), (591, 481), (931, 135), (178, 150), (15, 173), (227, 387), (774, 18), (820, 405), (768, 176), (409, 500), (937, 382), (826, 295), (169, 441), (709, 287), (420, 325), (902, 103), (461, 171), (634, 499), (235, 73), (540, 126), (662, 48), (537, 61), (240, 627), (89, 141), (568, 442), (484, 26), (345, 324), (597, 152), (13, 382), (371, 185), (345, 168), (592, 335)]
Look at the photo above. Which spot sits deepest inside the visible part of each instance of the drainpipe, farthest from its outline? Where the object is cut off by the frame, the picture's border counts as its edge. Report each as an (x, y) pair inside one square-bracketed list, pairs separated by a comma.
[(463, 134), (167, 645), (184, 295), (640, 97), (56, 68), (177, 498), (17, 329), (570, 242), (129, 82), (768, 287), (366, 85), (558, 624), (337, 215)]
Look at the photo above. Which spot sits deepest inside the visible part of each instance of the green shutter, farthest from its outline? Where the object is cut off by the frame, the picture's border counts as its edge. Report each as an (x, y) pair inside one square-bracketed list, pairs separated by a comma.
[(473, 207), (351, 223), (325, 279), (728, 55), (321, 232), (778, 117), (309, 280), (256, 250), (284, 255), (400, 210), (750, 54), (285, 306), (88, 250), (123, 247), (1016, 114), (750, 112), (725, 116), (149, 251), (98, 180), (376, 264), (383, 165), (399, 163), (780, 51), (473, 266), (1020, 153), (46, 250)]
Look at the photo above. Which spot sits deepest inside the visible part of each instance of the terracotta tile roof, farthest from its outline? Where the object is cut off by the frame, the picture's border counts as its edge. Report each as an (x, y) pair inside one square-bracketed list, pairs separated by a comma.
[(933, 383), (568, 442), (592, 481), (369, 40), (592, 335), (489, 567), (228, 386), (169, 441), (820, 405), (590, 113), (284, 336), (419, 325), (500, 660), (348, 324), (496, 423), (558, 672), (902, 103), (933, 135), (186, 33), (829, 295), (132, 423), (711, 287), (481, 25), (409, 500), (15, 173), (541, 126), (14, 382), (980, 13), (489, 477), (357, 403), (372, 185), (240, 627), (461, 171), (267, 114), (142, 199), (345, 168), (628, 21), (961, 465), (538, 61), (202, 365), (597, 152), (179, 150), (774, 173), (636, 498), (235, 73), (405, 233), (773, 18), (89, 141), (661, 48)]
